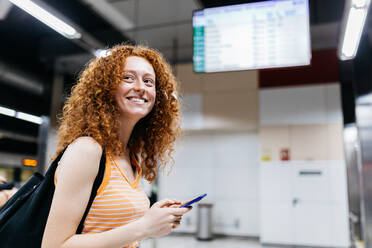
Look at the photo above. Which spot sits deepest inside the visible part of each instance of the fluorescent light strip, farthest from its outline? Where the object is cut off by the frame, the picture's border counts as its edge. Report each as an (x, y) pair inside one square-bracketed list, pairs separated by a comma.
[(28, 117), (360, 3), (7, 111), (47, 18), (353, 31), (20, 115)]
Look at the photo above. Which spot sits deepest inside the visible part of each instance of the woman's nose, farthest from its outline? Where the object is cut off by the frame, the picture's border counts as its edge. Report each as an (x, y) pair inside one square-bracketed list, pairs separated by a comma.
[(139, 85)]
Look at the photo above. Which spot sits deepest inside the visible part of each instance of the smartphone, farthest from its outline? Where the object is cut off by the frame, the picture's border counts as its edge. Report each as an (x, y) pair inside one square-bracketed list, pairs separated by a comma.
[(196, 199)]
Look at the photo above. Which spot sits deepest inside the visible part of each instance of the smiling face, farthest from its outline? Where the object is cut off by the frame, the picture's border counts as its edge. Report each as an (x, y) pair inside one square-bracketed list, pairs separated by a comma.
[(135, 95)]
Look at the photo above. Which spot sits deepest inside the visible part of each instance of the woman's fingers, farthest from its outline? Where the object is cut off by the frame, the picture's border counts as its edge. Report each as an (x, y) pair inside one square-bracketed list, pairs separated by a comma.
[(188, 208), (2, 179), (170, 203), (176, 218), (10, 192), (178, 211), (167, 215), (176, 221), (175, 205), (3, 198), (164, 203), (176, 224)]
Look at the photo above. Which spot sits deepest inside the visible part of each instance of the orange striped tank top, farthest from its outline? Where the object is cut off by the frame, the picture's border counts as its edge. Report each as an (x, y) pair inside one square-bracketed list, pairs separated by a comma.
[(118, 201)]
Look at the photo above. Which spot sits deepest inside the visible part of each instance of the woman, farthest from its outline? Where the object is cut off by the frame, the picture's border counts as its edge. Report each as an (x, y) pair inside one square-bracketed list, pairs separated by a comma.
[(5, 194), (125, 105)]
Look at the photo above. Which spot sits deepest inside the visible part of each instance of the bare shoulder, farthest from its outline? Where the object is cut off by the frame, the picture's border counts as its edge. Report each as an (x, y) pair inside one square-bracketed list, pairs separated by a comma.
[(81, 157), (86, 145), (75, 176)]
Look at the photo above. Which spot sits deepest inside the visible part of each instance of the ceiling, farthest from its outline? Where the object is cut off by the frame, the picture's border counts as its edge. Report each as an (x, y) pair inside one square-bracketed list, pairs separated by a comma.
[(167, 24), (34, 51)]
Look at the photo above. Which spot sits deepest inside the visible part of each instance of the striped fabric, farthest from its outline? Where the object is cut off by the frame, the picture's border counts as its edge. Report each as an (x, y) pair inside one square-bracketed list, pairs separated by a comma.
[(118, 202)]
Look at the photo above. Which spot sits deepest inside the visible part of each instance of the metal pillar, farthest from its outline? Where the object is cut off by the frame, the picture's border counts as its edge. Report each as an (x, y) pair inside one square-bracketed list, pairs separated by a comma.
[(363, 112), (356, 88), (351, 148), (50, 138), (42, 143)]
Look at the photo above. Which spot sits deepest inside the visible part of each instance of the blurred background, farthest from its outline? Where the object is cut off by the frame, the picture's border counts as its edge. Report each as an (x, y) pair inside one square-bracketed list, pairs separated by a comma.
[(276, 100)]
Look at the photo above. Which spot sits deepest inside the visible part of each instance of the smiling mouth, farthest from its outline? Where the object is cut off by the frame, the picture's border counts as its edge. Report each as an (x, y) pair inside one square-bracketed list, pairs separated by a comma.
[(137, 99)]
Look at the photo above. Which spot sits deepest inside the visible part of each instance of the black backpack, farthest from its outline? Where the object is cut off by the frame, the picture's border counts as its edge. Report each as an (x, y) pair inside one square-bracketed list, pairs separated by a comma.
[(24, 216)]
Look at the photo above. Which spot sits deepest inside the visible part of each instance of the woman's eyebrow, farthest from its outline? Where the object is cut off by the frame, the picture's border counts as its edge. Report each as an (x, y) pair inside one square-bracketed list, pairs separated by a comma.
[(149, 74), (144, 73)]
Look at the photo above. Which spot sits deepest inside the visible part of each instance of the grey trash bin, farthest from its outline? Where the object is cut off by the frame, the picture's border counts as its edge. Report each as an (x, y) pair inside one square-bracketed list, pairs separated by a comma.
[(204, 228)]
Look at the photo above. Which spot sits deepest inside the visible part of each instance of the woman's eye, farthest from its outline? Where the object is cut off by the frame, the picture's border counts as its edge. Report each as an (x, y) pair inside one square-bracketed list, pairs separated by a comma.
[(128, 77), (149, 81)]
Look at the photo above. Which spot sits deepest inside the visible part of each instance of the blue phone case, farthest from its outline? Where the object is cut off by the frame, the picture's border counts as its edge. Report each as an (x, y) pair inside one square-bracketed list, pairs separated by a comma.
[(193, 201)]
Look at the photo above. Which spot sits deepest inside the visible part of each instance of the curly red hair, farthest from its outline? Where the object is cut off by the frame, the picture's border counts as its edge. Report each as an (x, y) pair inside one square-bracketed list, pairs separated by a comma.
[(91, 109)]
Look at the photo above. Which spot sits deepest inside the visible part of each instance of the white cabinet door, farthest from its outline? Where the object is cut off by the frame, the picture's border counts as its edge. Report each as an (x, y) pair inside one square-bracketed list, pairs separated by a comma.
[(276, 223), (340, 226), (276, 220), (312, 224), (311, 183), (311, 205), (276, 183), (299, 205)]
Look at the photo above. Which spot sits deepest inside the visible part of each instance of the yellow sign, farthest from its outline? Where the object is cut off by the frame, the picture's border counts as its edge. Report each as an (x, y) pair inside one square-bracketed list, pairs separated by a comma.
[(266, 155), (29, 162)]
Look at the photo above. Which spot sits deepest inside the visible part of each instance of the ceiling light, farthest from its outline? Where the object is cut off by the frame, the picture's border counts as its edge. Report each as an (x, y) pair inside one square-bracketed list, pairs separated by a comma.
[(20, 115), (353, 32), (28, 117), (7, 111), (359, 3), (47, 18)]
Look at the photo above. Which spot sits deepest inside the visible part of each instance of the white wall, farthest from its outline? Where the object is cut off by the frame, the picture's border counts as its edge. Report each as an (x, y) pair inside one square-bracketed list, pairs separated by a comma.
[(219, 154), (298, 209), (222, 113), (307, 120), (225, 166), (218, 101), (305, 142), (300, 105)]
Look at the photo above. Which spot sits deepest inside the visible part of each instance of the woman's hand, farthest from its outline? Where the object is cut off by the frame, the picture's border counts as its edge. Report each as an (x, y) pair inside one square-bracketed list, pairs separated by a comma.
[(2, 179), (162, 218), (178, 204), (3, 198), (5, 194)]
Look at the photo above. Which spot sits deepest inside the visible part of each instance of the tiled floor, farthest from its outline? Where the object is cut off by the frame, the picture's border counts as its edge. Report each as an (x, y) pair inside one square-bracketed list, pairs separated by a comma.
[(181, 241)]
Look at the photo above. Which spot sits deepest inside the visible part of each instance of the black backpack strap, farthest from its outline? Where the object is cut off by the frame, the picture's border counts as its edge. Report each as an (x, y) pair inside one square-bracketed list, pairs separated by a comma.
[(96, 185)]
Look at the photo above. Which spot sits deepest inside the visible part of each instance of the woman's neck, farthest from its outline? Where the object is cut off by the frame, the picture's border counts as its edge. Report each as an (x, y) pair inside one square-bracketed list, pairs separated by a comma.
[(125, 131)]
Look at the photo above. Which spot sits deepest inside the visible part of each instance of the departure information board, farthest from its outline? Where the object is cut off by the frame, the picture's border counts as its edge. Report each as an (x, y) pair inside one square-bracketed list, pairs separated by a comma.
[(252, 36)]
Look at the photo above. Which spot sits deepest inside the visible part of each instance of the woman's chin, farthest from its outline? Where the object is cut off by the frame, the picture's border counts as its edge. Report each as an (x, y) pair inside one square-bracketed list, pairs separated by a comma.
[(135, 115)]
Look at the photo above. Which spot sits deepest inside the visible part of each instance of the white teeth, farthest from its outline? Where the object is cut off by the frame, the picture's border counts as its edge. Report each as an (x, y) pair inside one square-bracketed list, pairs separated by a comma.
[(137, 100)]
